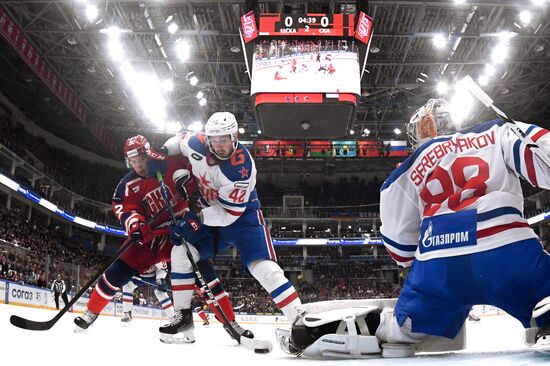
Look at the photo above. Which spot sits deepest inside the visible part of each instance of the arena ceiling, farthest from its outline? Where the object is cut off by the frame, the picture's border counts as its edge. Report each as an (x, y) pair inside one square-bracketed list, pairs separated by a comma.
[(404, 66)]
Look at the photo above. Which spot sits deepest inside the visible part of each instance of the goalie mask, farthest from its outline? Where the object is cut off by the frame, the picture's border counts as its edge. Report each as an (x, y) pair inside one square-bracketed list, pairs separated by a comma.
[(429, 121), (219, 125)]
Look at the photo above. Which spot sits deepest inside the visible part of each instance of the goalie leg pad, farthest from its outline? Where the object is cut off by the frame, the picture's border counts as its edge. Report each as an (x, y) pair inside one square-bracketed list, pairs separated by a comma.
[(344, 346), (323, 306), (339, 333)]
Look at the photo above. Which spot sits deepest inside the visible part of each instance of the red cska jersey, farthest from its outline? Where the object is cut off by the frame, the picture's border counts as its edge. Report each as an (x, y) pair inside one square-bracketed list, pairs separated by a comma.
[(138, 198)]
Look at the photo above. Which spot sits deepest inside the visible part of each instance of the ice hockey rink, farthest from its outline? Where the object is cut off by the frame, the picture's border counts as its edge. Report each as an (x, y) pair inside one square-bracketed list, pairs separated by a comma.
[(495, 340)]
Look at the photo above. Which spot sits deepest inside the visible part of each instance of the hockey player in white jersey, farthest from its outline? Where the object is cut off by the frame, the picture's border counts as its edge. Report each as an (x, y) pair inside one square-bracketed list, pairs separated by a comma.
[(226, 176), (154, 275), (453, 211)]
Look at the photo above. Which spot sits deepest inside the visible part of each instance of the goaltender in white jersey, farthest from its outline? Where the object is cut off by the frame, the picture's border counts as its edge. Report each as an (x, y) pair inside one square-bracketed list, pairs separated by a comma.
[(470, 170), (453, 212)]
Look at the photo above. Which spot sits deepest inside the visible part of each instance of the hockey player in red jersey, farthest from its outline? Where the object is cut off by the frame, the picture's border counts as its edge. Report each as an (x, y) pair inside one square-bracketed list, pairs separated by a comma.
[(138, 198)]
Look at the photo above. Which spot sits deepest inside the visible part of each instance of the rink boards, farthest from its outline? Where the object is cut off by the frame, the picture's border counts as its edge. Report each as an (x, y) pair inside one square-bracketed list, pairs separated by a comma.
[(34, 297)]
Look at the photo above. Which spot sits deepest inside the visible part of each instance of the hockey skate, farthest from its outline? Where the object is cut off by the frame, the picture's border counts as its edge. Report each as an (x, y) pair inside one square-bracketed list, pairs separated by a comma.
[(127, 318), (538, 339), (84, 321), (180, 328), (542, 340), (242, 332)]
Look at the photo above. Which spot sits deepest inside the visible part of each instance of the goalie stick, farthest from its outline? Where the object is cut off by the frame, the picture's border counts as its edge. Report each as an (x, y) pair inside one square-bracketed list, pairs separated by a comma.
[(258, 346), (46, 325), (471, 86)]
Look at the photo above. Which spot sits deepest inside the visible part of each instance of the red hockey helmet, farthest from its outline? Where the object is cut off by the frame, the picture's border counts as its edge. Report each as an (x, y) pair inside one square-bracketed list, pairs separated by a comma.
[(136, 146)]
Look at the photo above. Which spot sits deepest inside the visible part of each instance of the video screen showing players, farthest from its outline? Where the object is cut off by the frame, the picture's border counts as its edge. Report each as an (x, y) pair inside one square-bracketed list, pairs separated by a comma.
[(305, 66)]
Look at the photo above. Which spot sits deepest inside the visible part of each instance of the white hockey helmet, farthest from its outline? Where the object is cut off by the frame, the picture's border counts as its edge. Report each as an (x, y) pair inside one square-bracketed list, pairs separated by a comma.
[(429, 121), (222, 124)]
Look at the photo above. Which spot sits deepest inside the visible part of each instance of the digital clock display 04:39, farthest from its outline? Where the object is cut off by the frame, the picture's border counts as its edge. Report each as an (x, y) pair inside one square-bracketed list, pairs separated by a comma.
[(296, 21), (306, 24)]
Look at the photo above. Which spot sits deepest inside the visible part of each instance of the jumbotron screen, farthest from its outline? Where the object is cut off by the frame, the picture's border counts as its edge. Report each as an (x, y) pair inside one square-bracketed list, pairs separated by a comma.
[(316, 65)]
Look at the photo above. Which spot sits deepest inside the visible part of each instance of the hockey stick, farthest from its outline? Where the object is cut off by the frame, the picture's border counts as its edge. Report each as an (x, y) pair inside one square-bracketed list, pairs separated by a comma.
[(471, 86), (152, 284), (257, 345), (45, 325), (238, 306)]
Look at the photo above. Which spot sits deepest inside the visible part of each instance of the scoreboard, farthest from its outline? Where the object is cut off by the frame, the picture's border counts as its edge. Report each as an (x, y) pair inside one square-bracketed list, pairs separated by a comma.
[(305, 71), (328, 25)]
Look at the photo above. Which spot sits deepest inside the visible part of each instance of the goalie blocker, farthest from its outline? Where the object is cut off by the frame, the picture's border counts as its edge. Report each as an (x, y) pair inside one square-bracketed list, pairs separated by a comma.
[(344, 329)]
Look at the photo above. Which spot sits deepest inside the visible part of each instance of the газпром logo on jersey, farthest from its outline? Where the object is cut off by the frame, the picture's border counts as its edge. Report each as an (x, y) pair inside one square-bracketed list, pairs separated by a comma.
[(443, 239), (448, 231)]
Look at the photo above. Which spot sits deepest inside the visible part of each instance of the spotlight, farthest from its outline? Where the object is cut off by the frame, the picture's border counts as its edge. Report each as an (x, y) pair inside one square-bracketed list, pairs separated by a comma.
[(168, 85), (525, 17), (305, 125), (439, 40), (195, 126), (442, 87), (91, 12), (172, 28), (489, 70), (183, 50), (483, 80)]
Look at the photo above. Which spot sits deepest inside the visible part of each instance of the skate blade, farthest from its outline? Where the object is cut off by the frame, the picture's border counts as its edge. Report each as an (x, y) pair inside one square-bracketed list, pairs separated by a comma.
[(126, 324), (179, 338), (545, 349)]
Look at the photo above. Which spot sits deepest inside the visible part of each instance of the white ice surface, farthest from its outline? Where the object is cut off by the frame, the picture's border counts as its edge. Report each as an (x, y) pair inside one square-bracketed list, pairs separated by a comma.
[(496, 340)]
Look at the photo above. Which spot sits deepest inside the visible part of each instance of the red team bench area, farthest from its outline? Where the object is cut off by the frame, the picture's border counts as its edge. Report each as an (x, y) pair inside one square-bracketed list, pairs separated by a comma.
[(325, 149)]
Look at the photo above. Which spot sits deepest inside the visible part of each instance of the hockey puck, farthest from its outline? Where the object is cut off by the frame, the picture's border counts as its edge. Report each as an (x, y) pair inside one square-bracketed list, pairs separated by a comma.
[(261, 350)]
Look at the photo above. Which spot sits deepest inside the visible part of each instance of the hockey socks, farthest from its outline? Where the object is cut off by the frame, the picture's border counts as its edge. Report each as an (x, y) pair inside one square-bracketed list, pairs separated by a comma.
[(103, 293), (225, 305), (272, 278), (165, 302), (97, 302), (183, 285), (203, 316)]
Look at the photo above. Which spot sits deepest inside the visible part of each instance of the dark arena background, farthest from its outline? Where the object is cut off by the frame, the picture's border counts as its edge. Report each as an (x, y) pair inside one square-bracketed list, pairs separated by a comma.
[(322, 92)]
